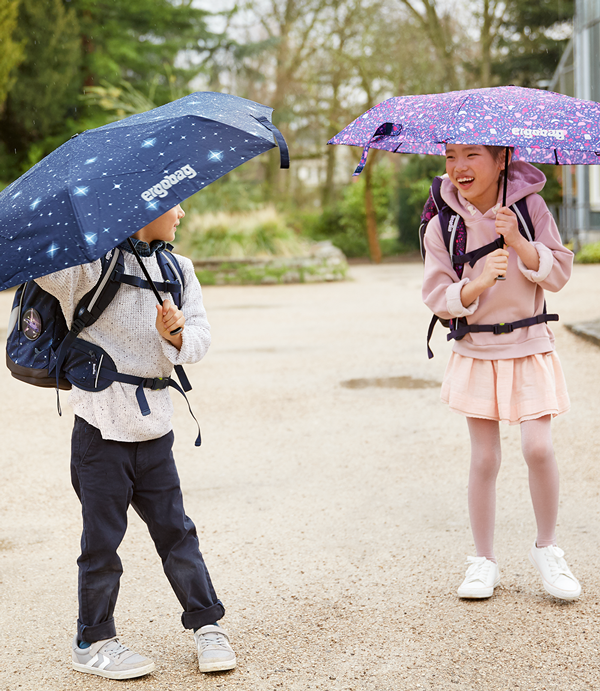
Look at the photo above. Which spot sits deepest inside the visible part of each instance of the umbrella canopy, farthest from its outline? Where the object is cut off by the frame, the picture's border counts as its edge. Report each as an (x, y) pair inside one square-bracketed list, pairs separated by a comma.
[(105, 184), (542, 126)]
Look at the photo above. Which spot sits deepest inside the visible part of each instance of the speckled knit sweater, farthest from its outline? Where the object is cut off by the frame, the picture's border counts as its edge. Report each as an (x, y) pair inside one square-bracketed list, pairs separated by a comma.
[(126, 330)]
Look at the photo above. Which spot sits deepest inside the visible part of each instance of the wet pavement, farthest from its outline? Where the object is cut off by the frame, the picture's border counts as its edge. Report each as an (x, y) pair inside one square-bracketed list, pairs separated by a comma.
[(330, 500)]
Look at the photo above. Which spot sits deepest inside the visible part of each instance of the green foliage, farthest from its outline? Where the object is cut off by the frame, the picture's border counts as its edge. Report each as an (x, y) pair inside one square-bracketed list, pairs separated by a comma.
[(589, 254), (12, 51), (238, 191), (135, 39), (72, 43), (529, 50), (261, 233), (414, 181), (47, 80), (345, 222), (552, 192)]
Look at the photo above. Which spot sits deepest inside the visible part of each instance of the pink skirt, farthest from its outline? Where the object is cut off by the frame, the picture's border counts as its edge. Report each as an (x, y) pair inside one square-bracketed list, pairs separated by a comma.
[(506, 390)]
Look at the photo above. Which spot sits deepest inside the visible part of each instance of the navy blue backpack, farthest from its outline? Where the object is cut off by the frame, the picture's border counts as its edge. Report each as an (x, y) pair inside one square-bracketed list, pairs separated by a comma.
[(42, 351)]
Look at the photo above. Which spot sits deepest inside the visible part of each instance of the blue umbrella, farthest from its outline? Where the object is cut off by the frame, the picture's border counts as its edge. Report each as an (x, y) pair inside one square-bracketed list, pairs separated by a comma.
[(103, 185)]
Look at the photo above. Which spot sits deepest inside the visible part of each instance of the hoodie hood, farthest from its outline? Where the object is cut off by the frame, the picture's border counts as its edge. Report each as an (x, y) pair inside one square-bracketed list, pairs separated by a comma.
[(523, 180)]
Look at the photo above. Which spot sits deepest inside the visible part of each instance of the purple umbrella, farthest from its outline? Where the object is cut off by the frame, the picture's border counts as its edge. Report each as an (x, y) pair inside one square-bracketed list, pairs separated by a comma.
[(542, 126)]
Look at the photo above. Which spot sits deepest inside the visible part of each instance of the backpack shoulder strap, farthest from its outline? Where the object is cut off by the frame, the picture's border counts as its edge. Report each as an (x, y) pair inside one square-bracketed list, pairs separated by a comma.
[(436, 206), (172, 273), (525, 224), (94, 302)]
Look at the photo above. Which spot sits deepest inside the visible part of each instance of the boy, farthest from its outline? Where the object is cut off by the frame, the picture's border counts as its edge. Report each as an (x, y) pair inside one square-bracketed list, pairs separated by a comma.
[(121, 457)]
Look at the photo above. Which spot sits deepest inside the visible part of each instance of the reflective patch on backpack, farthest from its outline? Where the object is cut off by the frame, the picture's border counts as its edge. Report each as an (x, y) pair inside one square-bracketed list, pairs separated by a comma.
[(32, 324)]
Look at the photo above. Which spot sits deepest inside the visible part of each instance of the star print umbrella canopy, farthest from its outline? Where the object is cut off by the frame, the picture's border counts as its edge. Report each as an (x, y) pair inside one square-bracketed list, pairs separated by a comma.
[(543, 126), (105, 184)]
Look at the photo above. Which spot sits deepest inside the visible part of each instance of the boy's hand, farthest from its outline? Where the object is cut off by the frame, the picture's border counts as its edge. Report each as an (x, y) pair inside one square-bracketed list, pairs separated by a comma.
[(508, 227), (168, 319)]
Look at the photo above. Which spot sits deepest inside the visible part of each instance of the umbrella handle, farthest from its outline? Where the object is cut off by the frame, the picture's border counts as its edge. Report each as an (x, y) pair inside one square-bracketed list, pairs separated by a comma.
[(284, 154), (150, 281)]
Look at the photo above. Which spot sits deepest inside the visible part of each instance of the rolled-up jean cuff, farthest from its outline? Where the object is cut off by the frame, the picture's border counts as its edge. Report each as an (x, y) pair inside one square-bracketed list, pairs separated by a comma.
[(98, 632), (194, 620)]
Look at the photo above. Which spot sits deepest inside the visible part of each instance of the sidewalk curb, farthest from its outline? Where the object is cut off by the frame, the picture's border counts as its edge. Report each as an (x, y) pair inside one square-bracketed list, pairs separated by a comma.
[(588, 330)]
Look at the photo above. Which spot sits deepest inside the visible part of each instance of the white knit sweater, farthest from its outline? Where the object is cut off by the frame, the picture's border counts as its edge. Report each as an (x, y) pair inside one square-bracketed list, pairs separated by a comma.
[(126, 330)]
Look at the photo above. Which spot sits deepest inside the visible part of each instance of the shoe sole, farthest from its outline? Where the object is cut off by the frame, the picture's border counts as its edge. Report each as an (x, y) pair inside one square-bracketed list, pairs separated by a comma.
[(549, 588), (223, 666), (477, 593), (125, 674)]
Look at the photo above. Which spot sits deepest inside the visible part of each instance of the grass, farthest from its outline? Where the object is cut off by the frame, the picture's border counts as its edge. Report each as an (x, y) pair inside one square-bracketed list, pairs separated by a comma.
[(259, 234), (590, 254)]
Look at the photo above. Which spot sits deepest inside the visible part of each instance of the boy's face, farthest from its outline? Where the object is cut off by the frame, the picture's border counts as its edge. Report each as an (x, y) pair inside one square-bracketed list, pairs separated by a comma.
[(163, 227)]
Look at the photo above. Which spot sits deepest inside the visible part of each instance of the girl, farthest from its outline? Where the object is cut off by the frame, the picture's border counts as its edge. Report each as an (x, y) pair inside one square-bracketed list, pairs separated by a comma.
[(514, 376)]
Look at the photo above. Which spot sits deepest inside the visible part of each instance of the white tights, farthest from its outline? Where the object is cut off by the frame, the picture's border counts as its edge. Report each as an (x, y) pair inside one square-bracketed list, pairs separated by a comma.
[(536, 444)]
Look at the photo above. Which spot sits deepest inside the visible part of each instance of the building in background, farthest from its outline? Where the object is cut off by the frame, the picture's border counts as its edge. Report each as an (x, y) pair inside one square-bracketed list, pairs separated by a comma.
[(578, 75)]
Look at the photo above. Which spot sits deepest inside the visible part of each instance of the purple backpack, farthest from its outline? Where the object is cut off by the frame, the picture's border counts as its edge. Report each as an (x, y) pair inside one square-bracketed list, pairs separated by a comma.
[(454, 233)]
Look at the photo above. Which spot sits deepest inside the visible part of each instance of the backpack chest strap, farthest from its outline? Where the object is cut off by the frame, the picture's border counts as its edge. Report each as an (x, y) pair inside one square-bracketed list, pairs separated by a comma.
[(137, 282), (473, 257)]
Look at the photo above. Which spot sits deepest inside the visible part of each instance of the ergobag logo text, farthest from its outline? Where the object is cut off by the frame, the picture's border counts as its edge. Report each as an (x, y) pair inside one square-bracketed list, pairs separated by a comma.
[(161, 189)]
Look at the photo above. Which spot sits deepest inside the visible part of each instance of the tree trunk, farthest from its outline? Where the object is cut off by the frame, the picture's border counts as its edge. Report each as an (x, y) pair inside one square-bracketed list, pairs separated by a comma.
[(372, 237), (486, 45)]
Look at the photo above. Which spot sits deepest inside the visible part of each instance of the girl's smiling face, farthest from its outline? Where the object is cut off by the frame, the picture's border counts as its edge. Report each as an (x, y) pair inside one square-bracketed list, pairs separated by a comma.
[(475, 172)]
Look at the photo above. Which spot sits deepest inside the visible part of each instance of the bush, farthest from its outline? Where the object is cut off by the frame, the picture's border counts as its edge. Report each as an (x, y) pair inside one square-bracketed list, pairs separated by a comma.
[(345, 223), (261, 233), (590, 254), (414, 181)]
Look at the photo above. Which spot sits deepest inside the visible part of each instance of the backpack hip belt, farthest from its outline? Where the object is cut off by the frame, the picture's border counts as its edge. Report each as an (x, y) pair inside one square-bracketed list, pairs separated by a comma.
[(462, 328)]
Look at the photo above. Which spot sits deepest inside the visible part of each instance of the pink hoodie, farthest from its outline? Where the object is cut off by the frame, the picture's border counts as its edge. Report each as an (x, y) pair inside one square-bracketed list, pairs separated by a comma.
[(521, 295)]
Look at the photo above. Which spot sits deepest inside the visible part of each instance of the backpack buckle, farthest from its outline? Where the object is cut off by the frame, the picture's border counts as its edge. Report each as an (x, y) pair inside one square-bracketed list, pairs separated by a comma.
[(503, 328), (156, 384)]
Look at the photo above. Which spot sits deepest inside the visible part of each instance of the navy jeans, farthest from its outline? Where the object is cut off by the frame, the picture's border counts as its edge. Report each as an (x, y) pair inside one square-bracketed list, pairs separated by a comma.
[(108, 476)]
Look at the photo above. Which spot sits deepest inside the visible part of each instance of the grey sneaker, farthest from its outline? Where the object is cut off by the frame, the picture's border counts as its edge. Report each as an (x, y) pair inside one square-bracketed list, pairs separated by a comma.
[(214, 652), (111, 659)]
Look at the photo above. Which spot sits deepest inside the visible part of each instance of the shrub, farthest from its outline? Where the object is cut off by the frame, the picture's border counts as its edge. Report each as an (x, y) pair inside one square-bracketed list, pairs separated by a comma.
[(345, 222), (261, 233), (590, 254)]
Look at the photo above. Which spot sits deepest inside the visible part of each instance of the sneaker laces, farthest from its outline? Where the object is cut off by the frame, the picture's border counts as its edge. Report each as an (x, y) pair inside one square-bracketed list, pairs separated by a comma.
[(478, 570), (115, 649), (556, 562), (212, 641)]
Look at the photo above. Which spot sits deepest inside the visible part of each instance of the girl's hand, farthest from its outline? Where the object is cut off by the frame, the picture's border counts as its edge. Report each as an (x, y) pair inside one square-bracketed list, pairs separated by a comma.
[(168, 319), (496, 264), (508, 227)]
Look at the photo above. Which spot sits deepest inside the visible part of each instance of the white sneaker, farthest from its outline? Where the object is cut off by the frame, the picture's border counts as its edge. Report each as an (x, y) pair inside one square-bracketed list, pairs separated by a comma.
[(556, 575), (481, 579), (214, 652), (108, 658)]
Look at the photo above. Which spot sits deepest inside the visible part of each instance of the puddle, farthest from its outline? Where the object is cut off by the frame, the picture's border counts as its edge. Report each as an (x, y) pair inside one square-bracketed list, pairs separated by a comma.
[(245, 307), (391, 383)]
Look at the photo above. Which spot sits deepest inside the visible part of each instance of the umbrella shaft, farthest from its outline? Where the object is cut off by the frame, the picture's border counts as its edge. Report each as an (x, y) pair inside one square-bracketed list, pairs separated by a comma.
[(150, 281)]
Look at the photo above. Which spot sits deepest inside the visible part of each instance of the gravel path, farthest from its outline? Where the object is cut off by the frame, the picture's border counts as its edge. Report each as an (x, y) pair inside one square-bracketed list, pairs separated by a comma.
[(333, 517)]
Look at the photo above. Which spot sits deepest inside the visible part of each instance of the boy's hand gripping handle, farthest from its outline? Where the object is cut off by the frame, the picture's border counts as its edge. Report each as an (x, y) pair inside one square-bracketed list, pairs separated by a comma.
[(150, 281)]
